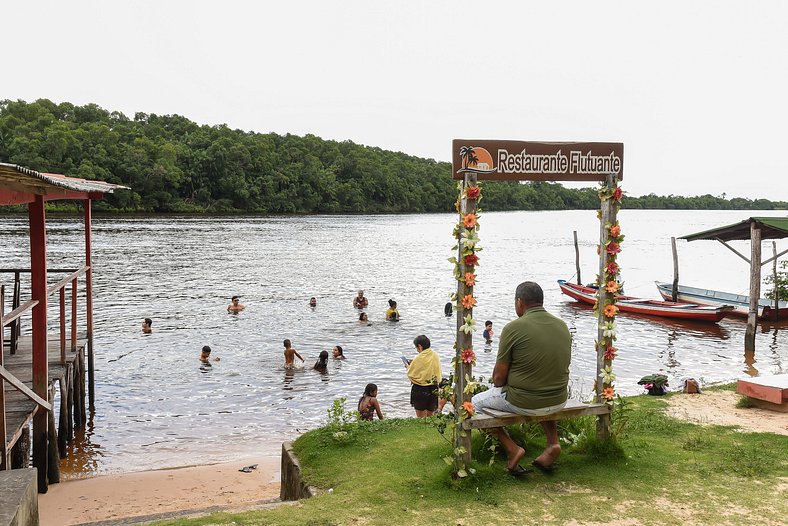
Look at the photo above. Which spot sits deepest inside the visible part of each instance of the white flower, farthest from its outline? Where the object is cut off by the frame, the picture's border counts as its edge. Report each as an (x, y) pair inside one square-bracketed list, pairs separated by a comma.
[(470, 325), (607, 375), (470, 238)]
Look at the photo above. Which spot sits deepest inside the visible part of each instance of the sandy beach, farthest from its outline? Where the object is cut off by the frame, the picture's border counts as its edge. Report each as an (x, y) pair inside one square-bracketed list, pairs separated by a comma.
[(151, 493), (719, 408)]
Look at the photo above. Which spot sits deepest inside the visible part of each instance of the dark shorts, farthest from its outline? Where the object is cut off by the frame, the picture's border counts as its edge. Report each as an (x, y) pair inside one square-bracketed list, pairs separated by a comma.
[(424, 397)]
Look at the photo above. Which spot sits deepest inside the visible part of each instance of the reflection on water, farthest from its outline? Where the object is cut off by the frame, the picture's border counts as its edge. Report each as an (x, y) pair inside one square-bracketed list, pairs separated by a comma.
[(158, 407)]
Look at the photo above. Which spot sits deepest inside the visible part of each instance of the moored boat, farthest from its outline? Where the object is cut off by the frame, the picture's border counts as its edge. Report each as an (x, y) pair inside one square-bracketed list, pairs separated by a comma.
[(740, 302), (668, 309)]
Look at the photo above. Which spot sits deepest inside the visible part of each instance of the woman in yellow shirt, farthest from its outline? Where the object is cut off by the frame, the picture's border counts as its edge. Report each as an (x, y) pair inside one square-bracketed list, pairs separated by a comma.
[(392, 314), (424, 372)]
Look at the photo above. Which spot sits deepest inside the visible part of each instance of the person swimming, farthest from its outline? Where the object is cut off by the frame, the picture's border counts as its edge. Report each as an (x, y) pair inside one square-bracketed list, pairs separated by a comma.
[(363, 318), (290, 355), (146, 325), (392, 314), (360, 302), (313, 301), (235, 306), (205, 355), (338, 353), (322, 362)]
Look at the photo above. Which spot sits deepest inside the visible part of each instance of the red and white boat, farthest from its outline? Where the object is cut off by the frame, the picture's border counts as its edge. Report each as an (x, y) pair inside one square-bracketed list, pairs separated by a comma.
[(667, 309)]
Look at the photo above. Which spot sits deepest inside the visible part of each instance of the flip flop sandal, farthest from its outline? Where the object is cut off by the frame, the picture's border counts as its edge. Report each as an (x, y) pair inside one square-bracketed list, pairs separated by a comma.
[(547, 470), (246, 469), (519, 471)]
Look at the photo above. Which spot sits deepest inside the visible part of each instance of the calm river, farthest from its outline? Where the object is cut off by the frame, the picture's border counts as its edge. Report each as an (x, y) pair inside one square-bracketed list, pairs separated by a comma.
[(157, 408)]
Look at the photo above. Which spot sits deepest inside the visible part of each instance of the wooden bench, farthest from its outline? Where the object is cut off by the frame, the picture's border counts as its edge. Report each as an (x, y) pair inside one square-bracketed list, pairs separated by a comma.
[(490, 418), (766, 392)]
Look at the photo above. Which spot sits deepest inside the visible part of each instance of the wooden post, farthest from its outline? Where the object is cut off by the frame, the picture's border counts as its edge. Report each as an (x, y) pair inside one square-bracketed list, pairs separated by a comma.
[(38, 280), (89, 302), (62, 427), (73, 314), (776, 283), (5, 460), (62, 326), (755, 286), (53, 463), (608, 217), (464, 341), (675, 294), (577, 258)]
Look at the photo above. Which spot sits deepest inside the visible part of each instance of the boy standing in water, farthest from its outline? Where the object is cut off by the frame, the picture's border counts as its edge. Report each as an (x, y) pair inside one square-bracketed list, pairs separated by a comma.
[(488, 332), (290, 355)]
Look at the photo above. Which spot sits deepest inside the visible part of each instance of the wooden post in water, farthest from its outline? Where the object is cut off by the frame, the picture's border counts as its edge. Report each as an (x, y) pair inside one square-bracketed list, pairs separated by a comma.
[(755, 286), (89, 302), (675, 294), (776, 283), (5, 461), (608, 217), (462, 445), (577, 258), (38, 281)]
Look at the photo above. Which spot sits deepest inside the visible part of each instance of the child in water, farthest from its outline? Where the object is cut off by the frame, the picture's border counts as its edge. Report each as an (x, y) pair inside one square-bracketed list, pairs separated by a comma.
[(322, 362), (392, 314), (368, 404), (488, 332), (290, 355)]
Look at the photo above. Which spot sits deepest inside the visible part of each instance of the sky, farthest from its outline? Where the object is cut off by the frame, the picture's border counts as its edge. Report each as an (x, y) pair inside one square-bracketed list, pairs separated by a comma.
[(697, 91)]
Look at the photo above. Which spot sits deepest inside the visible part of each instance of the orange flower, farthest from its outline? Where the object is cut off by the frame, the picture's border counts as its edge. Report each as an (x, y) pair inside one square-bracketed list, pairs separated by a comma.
[(468, 406), (615, 230), (610, 310), (610, 352), (608, 393), (468, 301), (611, 286), (467, 355), (473, 192), (470, 279), (469, 221)]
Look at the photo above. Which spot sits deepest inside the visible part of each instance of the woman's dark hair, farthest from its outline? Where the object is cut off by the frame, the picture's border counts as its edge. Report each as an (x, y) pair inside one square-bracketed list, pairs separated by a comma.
[(392, 303), (206, 348), (322, 361), (339, 348), (361, 316), (369, 389), (421, 340), (148, 322)]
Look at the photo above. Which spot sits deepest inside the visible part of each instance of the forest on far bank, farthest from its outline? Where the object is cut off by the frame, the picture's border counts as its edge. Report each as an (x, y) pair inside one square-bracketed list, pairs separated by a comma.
[(174, 165)]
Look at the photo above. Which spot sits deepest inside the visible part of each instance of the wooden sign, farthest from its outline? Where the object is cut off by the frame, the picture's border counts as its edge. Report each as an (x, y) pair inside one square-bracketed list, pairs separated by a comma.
[(537, 161)]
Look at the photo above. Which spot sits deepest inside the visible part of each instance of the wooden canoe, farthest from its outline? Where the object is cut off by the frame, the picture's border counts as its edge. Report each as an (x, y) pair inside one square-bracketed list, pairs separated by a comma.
[(740, 302), (667, 309)]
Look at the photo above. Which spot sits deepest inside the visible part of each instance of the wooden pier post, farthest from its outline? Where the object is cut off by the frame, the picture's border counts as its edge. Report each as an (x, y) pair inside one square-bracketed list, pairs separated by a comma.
[(89, 302), (675, 294), (776, 283), (38, 279), (755, 286), (5, 459), (577, 258), (464, 341)]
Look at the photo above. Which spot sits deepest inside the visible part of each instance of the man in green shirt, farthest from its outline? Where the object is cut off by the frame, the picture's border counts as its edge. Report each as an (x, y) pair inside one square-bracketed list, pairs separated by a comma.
[(531, 373)]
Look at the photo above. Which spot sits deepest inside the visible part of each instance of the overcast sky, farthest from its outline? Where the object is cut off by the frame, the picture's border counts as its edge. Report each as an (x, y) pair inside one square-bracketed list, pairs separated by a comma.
[(696, 91)]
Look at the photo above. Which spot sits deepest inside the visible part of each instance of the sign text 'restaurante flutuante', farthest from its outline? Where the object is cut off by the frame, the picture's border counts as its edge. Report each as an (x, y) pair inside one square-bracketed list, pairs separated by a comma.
[(537, 161)]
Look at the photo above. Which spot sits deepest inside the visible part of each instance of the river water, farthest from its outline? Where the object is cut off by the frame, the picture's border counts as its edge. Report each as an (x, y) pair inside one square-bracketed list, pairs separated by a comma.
[(156, 407)]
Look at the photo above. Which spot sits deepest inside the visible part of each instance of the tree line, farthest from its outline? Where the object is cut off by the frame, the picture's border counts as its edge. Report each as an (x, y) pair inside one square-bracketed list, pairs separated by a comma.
[(173, 165)]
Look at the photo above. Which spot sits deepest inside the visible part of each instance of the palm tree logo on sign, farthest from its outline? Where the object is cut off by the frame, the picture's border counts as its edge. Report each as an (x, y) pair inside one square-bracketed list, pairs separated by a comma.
[(476, 159)]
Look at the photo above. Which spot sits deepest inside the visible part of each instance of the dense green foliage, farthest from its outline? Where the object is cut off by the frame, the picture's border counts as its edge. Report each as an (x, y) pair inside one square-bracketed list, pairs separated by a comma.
[(172, 164), (779, 283)]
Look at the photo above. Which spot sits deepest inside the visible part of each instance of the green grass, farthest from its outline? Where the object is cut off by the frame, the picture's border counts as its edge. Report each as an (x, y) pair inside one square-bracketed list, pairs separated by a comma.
[(658, 471)]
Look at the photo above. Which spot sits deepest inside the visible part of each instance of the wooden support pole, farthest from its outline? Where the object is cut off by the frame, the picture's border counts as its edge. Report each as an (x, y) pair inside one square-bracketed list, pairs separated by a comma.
[(755, 286), (776, 283), (53, 460), (577, 258), (38, 281), (62, 326), (89, 302), (73, 314), (62, 424), (462, 371), (675, 294), (5, 459), (608, 217)]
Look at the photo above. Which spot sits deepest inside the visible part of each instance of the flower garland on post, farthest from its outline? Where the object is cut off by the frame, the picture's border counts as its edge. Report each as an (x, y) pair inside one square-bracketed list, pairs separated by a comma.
[(609, 285), (466, 233)]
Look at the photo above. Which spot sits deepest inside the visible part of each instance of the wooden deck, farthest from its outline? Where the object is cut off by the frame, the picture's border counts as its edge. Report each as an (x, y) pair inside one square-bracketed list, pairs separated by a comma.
[(69, 377)]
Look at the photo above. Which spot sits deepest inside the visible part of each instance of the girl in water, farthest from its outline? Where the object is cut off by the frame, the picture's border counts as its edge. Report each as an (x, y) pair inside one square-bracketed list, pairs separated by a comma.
[(392, 314), (322, 362), (368, 404)]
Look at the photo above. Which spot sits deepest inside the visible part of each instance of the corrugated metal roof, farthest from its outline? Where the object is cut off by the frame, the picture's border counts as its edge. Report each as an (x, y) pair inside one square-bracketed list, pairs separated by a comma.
[(21, 179), (771, 228)]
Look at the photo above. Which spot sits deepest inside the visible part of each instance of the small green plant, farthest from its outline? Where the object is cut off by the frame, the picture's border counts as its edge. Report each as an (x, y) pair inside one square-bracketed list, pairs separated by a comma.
[(780, 285), (745, 402), (342, 423)]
